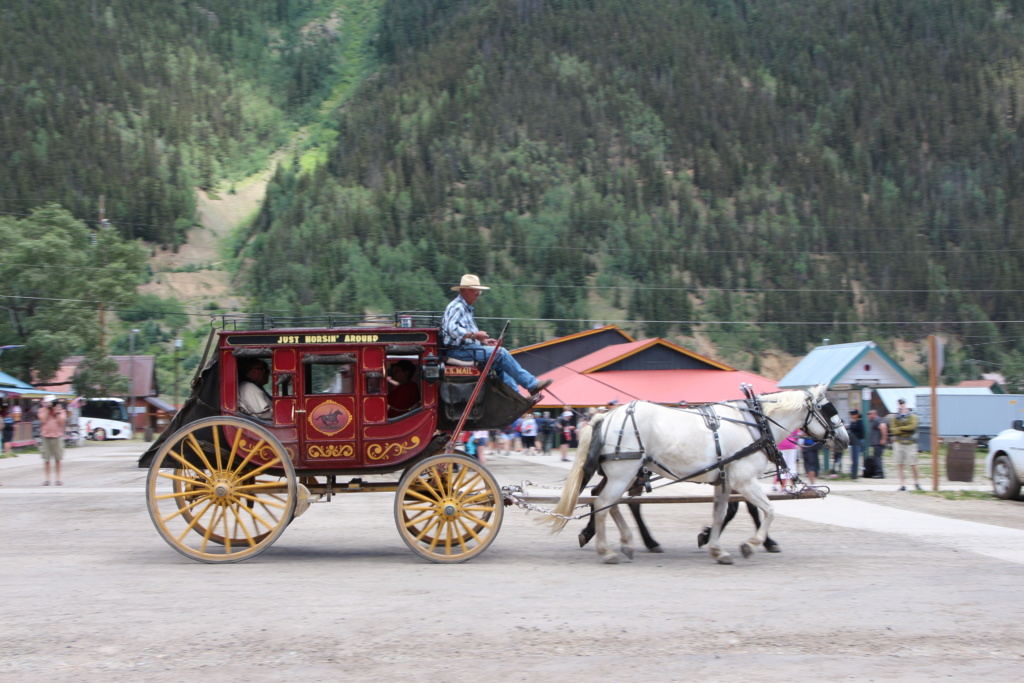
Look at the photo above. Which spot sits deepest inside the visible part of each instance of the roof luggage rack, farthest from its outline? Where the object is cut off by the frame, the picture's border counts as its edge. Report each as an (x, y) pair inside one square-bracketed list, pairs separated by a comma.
[(237, 322)]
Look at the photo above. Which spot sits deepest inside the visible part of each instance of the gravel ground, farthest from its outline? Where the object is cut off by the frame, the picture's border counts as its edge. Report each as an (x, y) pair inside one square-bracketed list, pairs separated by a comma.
[(91, 593)]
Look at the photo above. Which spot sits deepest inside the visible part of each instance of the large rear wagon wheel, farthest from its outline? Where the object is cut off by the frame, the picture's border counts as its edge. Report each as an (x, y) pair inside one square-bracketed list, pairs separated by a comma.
[(448, 508), (221, 490)]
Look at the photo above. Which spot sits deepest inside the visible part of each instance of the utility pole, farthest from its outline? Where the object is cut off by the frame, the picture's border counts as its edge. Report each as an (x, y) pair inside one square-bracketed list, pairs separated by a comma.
[(935, 363), (131, 379), (177, 345), (95, 241)]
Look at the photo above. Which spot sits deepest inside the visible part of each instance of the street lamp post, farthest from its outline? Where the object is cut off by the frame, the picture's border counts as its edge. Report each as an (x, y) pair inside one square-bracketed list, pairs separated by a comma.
[(177, 345), (131, 378)]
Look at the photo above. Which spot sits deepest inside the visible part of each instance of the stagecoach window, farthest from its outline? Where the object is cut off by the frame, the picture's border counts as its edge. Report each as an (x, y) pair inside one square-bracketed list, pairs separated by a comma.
[(284, 385), (328, 378), (374, 382)]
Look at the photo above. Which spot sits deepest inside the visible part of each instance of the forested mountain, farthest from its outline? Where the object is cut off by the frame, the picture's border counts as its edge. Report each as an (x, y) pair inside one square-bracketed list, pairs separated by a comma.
[(762, 173), (141, 101), (771, 162)]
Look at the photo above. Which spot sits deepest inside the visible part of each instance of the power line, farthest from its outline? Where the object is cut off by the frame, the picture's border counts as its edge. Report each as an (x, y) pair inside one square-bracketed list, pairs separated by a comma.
[(588, 321)]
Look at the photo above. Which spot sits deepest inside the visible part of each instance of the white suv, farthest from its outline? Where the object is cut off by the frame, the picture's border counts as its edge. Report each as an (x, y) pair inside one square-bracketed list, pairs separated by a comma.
[(1005, 461)]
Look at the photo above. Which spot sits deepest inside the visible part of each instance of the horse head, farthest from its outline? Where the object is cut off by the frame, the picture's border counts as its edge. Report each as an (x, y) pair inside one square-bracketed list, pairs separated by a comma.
[(823, 421)]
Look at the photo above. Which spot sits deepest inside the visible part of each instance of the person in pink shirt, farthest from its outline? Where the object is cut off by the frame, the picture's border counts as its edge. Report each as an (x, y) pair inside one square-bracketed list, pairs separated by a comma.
[(52, 419), (789, 449)]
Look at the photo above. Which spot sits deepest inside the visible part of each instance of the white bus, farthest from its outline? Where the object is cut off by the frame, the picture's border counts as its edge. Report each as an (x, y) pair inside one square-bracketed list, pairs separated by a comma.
[(100, 419)]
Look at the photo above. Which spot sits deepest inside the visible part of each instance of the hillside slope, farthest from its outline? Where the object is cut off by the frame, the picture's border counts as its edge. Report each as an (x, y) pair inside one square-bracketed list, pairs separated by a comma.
[(142, 101), (777, 172)]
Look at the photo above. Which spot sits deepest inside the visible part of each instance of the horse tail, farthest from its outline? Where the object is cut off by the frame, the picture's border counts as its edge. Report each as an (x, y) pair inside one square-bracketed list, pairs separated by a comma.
[(583, 467)]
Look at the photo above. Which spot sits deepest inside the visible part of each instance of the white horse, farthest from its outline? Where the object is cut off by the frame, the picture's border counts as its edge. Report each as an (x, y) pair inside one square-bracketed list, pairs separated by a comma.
[(679, 443)]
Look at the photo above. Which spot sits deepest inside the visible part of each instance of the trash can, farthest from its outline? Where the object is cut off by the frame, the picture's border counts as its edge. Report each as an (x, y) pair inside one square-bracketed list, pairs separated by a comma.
[(960, 461)]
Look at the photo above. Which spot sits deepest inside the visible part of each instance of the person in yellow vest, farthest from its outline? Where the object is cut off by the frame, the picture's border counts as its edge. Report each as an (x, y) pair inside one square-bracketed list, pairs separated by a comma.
[(903, 432)]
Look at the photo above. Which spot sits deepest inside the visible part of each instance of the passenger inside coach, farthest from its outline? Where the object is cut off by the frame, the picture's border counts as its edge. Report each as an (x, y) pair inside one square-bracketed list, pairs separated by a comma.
[(403, 393), (253, 399)]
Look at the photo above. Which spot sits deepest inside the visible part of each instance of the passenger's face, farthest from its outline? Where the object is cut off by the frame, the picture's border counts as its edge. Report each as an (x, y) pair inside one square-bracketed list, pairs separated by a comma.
[(470, 295), (258, 374)]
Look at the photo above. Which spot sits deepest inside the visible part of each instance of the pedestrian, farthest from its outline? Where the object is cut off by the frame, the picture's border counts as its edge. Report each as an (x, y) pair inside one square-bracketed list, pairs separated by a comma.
[(904, 442), (567, 433), (809, 451), (8, 430), (789, 448), (855, 428), (517, 434), (529, 433), (878, 437), (546, 430), (480, 437), (52, 420), (469, 443)]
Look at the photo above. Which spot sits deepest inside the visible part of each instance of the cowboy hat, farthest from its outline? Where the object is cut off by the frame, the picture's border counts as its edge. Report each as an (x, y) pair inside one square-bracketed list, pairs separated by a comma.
[(49, 398), (469, 282)]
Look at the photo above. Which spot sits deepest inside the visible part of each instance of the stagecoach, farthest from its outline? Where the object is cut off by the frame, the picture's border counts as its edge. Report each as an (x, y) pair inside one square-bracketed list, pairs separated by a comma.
[(223, 485)]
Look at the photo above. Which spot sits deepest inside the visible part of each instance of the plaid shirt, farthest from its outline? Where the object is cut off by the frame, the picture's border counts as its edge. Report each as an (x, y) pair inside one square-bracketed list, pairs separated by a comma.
[(457, 322)]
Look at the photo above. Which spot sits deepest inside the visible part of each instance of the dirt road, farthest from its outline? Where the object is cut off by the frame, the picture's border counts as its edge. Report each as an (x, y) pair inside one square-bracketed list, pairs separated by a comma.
[(91, 593)]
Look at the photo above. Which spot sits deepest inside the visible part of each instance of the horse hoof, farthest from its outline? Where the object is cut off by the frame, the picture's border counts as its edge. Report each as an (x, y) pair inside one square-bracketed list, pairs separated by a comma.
[(583, 539), (703, 537), (725, 559), (655, 549), (611, 559), (773, 547), (627, 551), (746, 549)]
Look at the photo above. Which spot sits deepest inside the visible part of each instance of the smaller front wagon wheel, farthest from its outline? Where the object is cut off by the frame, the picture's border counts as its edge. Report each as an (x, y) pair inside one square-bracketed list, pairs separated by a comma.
[(448, 508)]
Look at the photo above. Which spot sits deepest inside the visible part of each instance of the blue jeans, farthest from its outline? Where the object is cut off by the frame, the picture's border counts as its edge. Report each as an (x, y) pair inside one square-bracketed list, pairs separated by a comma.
[(512, 373), (856, 447)]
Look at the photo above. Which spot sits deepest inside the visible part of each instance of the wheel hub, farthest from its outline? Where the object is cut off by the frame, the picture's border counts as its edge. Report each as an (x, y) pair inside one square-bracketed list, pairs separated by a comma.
[(449, 509), (223, 490)]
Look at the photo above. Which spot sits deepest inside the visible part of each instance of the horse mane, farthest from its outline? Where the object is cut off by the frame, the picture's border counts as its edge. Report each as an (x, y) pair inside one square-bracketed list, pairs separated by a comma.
[(789, 400)]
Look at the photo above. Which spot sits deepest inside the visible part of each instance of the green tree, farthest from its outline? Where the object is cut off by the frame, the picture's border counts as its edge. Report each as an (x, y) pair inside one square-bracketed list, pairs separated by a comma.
[(98, 375), (54, 282)]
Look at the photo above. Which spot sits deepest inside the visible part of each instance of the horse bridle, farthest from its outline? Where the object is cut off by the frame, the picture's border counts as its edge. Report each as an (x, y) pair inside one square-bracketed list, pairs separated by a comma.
[(822, 414)]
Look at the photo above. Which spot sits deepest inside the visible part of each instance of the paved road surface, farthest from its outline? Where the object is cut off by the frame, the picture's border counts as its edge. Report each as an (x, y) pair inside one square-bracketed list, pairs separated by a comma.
[(862, 591)]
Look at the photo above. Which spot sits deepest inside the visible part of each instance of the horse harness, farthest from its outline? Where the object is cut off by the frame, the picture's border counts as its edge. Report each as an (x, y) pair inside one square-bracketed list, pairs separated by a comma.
[(712, 420)]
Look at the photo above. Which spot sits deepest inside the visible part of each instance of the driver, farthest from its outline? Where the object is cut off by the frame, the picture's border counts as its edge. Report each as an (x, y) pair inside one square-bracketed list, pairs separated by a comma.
[(466, 341)]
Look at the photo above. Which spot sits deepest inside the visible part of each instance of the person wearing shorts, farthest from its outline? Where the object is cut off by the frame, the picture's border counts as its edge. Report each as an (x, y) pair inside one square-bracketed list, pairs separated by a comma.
[(52, 419), (904, 442)]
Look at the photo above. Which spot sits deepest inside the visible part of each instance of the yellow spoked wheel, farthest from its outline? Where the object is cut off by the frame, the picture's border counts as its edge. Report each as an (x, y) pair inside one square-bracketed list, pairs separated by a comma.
[(221, 489), (448, 508)]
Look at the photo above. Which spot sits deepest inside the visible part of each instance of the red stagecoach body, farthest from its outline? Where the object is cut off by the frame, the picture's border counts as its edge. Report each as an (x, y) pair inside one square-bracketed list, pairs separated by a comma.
[(237, 481)]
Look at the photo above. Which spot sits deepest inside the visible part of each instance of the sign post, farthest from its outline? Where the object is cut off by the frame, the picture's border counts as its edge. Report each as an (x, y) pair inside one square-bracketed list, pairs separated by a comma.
[(935, 362)]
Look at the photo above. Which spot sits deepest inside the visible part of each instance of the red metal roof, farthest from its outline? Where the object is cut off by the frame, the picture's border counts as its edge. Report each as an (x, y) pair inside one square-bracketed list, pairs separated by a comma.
[(583, 382), (659, 386)]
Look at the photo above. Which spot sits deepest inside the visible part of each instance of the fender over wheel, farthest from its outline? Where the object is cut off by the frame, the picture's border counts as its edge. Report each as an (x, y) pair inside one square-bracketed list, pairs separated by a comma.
[(448, 508), (221, 489)]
